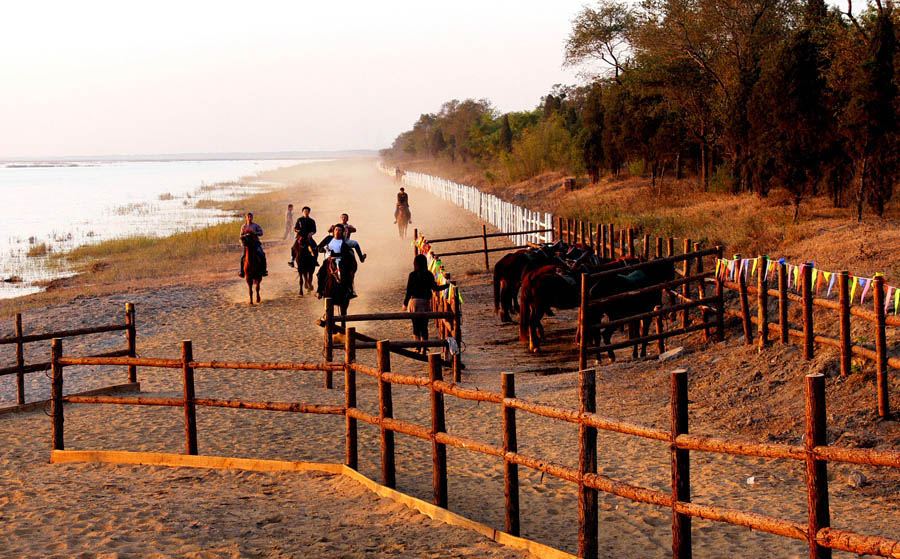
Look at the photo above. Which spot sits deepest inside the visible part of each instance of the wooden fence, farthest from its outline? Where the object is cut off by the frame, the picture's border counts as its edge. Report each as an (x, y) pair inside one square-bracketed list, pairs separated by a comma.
[(710, 306), (815, 451), (20, 339), (484, 250), (877, 317), (517, 222), (449, 324)]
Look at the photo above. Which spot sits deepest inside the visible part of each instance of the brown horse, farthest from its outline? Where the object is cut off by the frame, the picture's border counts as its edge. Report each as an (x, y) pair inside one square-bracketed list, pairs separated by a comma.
[(402, 220), (306, 261), (542, 289), (335, 286), (508, 274), (253, 266)]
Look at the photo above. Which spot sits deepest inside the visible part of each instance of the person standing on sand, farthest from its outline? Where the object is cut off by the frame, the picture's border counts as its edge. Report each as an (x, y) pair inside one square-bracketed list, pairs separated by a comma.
[(419, 286), (288, 221), (305, 228), (251, 229), (348, 229)]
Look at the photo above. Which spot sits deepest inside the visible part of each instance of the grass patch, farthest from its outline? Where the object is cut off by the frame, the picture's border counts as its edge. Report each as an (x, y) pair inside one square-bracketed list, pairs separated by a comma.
[(38, 250), (166, 196)]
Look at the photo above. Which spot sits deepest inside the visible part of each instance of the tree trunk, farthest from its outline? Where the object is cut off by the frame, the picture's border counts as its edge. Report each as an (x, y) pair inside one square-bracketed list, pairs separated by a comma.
[(704, 167)]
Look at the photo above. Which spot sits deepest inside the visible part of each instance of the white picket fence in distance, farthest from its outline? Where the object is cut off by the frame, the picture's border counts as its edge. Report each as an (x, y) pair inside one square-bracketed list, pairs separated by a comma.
[(505, 216)]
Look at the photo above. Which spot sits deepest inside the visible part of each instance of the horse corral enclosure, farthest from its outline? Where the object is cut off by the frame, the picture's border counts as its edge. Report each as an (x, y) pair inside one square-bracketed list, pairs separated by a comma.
[(815, 452)]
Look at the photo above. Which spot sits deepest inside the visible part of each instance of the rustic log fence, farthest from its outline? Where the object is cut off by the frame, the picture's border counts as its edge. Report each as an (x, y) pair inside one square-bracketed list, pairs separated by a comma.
[(815, 451), (484, 236), (21, 368), (807, 334), (715, 304)]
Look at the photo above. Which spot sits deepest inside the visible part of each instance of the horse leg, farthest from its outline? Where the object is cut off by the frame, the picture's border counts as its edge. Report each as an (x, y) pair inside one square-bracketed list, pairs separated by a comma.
[(607, 337), (250, 288), (257, 291)]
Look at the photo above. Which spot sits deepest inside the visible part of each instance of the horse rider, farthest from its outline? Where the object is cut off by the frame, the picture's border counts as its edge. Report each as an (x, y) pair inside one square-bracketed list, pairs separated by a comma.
[(335, 246), (253, 232), (402, 201), (348, 229), (304, 228)]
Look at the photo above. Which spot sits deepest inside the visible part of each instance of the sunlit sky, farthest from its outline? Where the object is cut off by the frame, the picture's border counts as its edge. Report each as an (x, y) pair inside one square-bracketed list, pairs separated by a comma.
[(92, 77), (101, 78)]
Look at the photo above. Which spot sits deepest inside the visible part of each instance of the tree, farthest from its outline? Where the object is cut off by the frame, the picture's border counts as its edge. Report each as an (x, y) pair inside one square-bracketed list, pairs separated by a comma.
[(601, 33), (592, 132), (505, 138)]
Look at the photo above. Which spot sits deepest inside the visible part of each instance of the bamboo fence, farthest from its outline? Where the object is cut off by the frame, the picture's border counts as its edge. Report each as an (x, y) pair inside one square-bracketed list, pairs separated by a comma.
[(815, 452)]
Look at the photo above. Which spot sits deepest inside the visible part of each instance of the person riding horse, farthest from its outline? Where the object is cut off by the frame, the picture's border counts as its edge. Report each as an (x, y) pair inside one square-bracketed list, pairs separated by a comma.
[(402, 202), (250, 234), (335, 246), (304, 228)]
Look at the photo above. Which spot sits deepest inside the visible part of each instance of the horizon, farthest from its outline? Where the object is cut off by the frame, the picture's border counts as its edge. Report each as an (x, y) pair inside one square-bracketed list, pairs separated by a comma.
[(101, 77)]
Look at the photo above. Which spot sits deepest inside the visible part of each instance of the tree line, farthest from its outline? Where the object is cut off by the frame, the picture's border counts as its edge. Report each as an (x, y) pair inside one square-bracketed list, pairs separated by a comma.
[(744, 95)]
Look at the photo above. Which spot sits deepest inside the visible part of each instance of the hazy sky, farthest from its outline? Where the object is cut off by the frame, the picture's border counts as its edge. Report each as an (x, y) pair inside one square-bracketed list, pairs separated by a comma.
[(90, 78)]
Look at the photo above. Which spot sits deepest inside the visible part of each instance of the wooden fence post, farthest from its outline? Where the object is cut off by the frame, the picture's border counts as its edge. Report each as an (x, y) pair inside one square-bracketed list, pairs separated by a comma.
[(808, 335), (587, 464), (681, 467), (559, 228), (601, 240), (670, 246), (56, 392), (583, 324), (645, 251), (659, 243), (685, 289), (386, 410), (190, 412), (591, 237), (438, 425), (745, 304), (611, 236), (884, 405), (783, 303), (630, 242), (350, 396), (510, 444), (329, 342), (20, 361), (701, 291), (844, 298), (131, 334), (720, 300), (487, 264), (816, 470), (457, 333), (762, 301), (573, 237)]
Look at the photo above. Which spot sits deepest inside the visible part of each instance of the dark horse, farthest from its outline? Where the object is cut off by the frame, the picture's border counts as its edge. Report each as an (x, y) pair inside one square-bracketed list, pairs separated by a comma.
[(335, 287), (616, 284), (509, 272), (306, 258), (402, 220), (253, 266)]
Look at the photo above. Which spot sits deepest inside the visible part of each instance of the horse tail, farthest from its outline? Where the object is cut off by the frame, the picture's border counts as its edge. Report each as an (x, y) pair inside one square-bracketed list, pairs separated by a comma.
[(525, 308)]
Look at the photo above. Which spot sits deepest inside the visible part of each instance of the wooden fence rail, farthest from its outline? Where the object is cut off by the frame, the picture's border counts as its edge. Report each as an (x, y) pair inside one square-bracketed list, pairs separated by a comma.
[(807, 335), (20, 339), (815, 450)]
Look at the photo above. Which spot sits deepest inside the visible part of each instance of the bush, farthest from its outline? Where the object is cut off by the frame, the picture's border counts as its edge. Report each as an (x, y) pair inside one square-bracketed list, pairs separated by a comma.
[(40, 249), (721, 180)]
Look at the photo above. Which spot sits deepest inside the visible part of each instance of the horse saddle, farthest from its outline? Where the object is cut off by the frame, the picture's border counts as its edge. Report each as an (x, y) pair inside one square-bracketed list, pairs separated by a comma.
[(637, 277), (570, 279)]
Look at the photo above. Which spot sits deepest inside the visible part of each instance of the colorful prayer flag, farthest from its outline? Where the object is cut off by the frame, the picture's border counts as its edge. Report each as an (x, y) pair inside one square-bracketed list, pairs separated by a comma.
[(853, 287), (866, 284), (830, 282)]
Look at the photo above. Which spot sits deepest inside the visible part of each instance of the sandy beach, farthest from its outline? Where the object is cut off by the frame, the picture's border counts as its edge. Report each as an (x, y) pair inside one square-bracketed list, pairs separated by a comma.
[(127, 511)]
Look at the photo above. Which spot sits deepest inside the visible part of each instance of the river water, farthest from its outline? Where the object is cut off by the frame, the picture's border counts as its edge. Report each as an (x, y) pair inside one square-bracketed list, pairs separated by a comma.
[(65, 204)]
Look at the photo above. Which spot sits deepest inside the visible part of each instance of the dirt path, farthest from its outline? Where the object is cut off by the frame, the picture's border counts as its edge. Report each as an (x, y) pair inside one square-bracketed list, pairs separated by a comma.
[(237, 510)]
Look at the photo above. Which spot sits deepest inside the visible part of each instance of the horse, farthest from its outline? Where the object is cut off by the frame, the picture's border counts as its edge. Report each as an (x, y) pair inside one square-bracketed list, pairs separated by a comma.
[(402, 220), (335, 287), (508, 273), (641, 303), (542, 289), (253, 266), (306, 260)]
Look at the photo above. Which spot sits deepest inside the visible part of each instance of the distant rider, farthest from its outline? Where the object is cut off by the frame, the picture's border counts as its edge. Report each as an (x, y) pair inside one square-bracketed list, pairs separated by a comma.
[(335, 246), (252, 231), (348, 229), (402, 201), (305, 228)]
